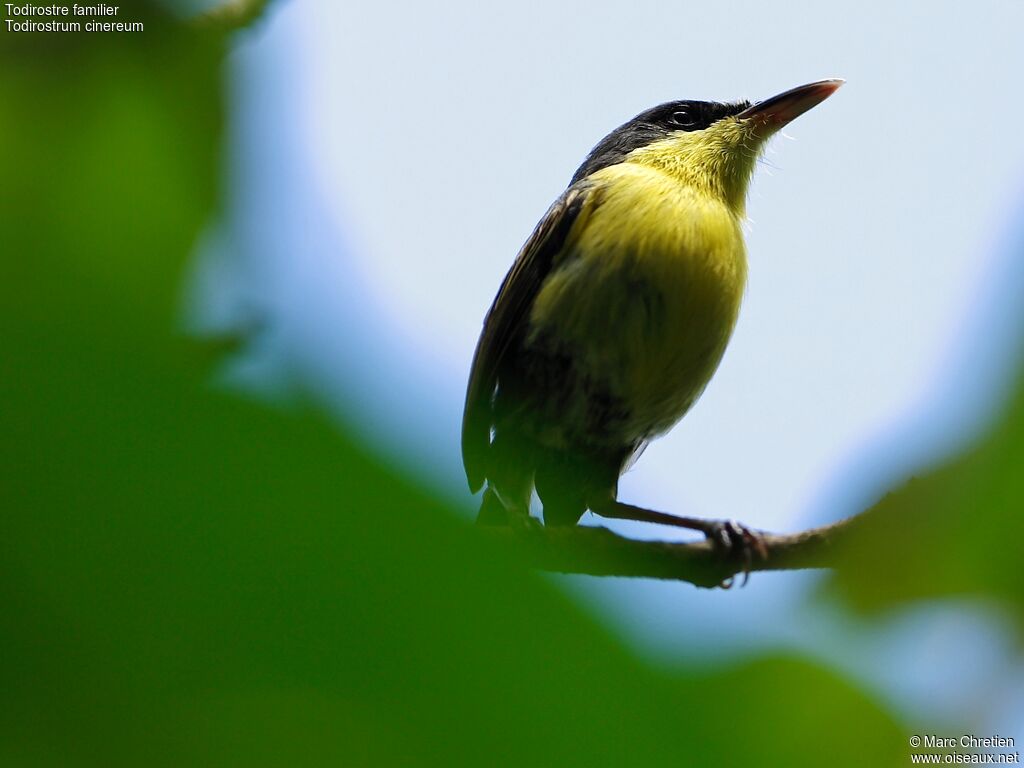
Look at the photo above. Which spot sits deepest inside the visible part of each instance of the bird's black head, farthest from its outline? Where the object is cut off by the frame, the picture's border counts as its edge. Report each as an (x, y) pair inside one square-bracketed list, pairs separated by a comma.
[(654, 124)]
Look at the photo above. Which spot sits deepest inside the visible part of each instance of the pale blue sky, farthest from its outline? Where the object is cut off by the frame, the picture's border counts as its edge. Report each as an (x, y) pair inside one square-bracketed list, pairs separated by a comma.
[(390, 158)]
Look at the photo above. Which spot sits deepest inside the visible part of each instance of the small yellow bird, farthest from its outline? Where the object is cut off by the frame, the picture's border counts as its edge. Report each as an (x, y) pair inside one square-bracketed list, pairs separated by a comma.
[(617, 311)]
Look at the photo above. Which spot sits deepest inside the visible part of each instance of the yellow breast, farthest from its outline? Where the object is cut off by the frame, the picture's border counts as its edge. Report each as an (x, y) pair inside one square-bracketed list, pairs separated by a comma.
[(647, 294)]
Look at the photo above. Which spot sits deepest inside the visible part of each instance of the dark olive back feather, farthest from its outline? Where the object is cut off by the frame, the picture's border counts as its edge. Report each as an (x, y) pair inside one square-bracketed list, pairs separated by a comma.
[(506, 318)]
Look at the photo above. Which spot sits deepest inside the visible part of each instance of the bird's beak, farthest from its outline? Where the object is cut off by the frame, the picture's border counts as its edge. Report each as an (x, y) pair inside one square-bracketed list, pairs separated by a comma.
[(775, 112)]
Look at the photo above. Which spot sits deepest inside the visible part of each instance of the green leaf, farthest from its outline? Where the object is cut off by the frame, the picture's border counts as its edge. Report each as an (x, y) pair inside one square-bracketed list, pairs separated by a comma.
[(952, 531)]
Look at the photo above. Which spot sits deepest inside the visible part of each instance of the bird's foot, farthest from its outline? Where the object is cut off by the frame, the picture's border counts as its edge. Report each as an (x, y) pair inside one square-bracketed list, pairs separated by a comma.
[(729, 538), (735, 540)]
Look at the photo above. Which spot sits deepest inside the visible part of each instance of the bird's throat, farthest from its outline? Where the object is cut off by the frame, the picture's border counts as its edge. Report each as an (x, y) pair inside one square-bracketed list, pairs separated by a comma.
[(718, 161)]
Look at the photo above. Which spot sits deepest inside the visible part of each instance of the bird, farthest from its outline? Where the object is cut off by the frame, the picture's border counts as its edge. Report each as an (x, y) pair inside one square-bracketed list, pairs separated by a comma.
[(616, 313)]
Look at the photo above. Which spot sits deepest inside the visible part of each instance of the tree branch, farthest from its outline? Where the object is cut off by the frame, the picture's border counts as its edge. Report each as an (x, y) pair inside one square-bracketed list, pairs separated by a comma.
[(599, 552)]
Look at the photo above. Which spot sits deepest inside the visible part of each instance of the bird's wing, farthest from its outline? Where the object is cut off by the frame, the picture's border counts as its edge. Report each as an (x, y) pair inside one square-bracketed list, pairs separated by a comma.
[(509, 310)]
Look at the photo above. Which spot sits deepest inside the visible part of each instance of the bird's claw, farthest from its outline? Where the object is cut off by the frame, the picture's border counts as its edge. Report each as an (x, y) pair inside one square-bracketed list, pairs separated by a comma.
[(737, 540)]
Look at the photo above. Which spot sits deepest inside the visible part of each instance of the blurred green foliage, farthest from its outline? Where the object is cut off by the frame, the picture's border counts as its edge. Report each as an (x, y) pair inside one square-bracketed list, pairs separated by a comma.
[(190, 578), (956, 530)]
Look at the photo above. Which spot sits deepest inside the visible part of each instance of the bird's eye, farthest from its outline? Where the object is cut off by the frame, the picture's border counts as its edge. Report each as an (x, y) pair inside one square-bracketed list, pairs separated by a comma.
[(684, 118)]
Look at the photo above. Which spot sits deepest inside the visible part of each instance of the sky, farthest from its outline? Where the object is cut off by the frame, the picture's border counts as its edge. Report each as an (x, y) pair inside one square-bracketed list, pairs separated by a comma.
[(389, 159)]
